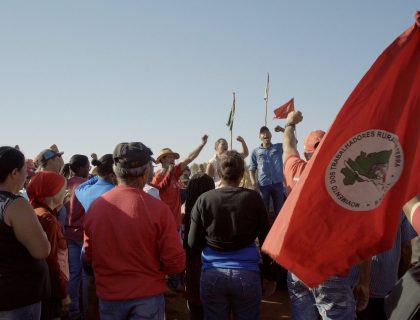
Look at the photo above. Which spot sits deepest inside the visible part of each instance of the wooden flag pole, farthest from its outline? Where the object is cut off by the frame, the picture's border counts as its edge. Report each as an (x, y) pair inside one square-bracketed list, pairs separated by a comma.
[(266, 103), (266, 97), (233, 110)]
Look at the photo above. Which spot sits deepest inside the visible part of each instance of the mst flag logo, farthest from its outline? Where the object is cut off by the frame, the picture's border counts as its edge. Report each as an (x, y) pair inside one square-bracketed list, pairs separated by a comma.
[(364, 169)]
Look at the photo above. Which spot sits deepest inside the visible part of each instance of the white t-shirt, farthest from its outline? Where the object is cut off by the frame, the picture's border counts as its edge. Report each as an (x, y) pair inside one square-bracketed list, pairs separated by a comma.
[(216, 168)]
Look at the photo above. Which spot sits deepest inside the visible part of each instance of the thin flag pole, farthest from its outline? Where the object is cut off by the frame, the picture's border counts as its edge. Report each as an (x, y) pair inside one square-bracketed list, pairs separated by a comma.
[(233, 114), (266, 96)]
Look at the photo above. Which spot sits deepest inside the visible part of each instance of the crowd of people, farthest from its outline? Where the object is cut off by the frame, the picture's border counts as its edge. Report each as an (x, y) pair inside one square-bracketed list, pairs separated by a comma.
[(130, 235)]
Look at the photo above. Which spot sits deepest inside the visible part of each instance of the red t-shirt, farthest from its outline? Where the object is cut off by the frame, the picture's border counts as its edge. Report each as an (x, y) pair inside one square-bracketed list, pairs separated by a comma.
[(73, 229), (292, 170), (170, 190)]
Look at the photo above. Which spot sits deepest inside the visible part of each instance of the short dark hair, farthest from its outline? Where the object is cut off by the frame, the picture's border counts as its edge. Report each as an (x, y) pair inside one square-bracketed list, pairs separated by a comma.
[(76, 162), (10, 159), (264, 128), (232, 166), (216, 144)]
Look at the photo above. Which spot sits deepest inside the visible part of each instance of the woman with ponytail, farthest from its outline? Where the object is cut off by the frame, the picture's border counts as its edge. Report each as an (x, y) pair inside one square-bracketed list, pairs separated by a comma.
[(88, 191), (78, 171)]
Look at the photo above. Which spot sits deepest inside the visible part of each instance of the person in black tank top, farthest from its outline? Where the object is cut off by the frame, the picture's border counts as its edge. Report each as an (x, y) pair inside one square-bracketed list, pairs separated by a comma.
[(24, 279)]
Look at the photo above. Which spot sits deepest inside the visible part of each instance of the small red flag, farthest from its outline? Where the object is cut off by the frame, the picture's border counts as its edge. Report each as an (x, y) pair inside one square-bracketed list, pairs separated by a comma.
[(282, 111), (346, 206)]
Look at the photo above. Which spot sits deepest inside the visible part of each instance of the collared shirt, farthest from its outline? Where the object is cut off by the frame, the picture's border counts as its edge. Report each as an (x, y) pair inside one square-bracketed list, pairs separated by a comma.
[(269, 163)]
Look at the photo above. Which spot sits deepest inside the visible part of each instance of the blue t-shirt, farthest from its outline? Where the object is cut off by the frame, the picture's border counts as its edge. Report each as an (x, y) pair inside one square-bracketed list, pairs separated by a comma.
[(246, 258), (92, 189), (384, 267), (269, 163)]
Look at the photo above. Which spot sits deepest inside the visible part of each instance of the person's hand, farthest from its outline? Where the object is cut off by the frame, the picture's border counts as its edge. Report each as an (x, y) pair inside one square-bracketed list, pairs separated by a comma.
[(279, 129), (361, 295), (268, 288), (204, 139), (65, 303), (171, 168), (240, 139), (294, 117), (94, 156)]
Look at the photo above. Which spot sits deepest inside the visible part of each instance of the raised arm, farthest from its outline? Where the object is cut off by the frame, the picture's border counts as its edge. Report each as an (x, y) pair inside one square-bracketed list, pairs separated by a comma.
[(289, 139), (194, 154), (245, 151), (210, 170)]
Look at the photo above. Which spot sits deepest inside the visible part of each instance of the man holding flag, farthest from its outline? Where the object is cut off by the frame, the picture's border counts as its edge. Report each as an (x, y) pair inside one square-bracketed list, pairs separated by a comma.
[(332, 299), (345, 207)]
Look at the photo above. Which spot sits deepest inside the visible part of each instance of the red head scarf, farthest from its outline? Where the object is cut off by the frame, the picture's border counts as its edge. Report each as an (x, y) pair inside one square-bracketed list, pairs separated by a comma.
[(44, 184)]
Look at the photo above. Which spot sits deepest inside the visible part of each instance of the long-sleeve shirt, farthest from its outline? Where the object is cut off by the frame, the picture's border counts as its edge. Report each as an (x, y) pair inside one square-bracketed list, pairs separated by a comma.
[(58, 258), (229, 219), (131, 242), (269, 163)]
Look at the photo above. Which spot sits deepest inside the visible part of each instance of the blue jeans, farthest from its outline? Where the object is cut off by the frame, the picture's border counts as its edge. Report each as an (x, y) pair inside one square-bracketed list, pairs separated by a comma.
[(31, 312), (152, 308), (274, 192), (332, 299), (223, 291), (77, 279)]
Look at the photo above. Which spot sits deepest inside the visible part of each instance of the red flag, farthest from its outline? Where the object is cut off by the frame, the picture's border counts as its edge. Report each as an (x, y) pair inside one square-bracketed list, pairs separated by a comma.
[(282, 111), (347, 204)]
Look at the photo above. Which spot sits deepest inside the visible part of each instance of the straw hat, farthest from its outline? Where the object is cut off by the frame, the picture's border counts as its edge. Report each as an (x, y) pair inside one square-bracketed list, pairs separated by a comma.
[(166, 152)]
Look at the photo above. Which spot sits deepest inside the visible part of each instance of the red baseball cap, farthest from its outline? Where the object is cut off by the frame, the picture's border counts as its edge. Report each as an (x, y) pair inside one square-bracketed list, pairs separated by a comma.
[(312, 140)]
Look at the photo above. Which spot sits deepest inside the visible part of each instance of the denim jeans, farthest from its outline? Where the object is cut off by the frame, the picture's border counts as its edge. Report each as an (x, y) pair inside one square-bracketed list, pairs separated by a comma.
[(152, 308), (223, 291), (77, 279), (332, 299), (274, 192), (31, 312)]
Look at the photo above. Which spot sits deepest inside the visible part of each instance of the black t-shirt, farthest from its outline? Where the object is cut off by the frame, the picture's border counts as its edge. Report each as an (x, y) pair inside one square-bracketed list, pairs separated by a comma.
[(24, 280), (228, 218)]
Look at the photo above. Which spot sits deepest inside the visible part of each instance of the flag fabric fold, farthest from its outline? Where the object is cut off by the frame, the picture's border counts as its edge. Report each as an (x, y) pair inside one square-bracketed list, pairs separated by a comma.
[(282, 111), (347, 204)]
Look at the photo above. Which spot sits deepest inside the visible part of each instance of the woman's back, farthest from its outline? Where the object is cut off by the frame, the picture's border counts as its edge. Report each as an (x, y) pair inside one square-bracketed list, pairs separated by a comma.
[(23, 279)]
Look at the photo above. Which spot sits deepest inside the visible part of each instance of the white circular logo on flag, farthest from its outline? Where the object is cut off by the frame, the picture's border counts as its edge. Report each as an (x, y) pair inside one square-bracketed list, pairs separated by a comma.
[(364, 169)]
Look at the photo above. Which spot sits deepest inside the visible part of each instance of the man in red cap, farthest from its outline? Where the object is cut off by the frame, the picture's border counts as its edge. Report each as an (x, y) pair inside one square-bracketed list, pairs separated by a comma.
[(332, 299)]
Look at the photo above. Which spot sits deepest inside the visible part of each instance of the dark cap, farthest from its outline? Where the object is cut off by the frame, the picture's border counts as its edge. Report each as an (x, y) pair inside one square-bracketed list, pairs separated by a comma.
[(46, 155), (264, 128), (132, 155)]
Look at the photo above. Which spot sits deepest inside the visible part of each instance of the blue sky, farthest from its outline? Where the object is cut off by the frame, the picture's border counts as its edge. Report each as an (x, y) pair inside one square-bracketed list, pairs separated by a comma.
[(87, 75)]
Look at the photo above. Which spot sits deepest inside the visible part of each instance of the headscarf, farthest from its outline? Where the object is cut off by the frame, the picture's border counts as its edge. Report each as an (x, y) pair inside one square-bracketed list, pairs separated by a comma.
[(44, 184)]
